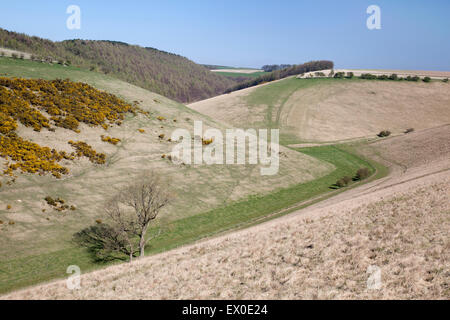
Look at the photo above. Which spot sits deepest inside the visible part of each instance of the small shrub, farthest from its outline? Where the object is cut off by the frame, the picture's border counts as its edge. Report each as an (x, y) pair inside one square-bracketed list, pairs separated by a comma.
[(368, 76), (99, 221), (110, 140), (14, 56), (350, 75), (445, 80), (11, 223), (83, 149), (393, 76), (73, 208), (409, 130), (1, 222), (362, 173), (161, 136), (347, 180), (160, 118), (341, 183), (141, 130), (426, 79), (206, 142), (415, 78), (50, 201), (384, 133), (8, 207)]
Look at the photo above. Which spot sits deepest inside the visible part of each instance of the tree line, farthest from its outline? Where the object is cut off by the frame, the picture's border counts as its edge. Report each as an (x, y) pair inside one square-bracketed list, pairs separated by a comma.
[(280, 74)]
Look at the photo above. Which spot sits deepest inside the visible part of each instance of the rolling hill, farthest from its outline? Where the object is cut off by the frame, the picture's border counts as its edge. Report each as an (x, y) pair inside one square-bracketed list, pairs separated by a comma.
[(161, 72), (398, 226), (324, 110), (209, 199)]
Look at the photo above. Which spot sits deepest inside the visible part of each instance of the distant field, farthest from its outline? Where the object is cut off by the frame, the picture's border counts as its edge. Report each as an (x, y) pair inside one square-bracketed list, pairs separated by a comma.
[(10, 52), (240, 74), (245, 71)]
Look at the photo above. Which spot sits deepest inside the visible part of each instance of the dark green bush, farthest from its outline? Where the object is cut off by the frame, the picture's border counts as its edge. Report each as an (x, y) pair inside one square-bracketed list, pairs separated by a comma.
[(347, 180), (393, 76), (341, 183), (368, 76), (426, 79), (362, 173), (384, 133)]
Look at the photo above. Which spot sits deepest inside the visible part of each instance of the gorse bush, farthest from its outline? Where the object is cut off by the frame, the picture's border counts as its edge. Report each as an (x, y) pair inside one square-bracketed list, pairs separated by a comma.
[(66, 104), (30, 157), (83, 149), (110, 140)]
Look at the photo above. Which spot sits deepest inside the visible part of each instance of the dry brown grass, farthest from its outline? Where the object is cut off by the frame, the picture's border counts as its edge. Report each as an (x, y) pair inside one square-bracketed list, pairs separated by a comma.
[(320, 253), (336, 110)]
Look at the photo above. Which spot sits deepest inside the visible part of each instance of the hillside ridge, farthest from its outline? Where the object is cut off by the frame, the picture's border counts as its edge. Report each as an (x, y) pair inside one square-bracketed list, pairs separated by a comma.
[(168, 74)]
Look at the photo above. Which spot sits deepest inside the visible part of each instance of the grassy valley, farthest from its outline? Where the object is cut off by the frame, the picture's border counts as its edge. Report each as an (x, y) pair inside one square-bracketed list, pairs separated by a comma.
[(228, 197)]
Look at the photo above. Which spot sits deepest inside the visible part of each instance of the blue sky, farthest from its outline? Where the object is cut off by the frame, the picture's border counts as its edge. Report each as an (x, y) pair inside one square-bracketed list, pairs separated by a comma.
[(415, 34)]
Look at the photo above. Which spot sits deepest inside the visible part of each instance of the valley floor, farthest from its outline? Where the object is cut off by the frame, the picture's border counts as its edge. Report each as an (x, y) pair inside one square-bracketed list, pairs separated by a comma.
[(398, 224)]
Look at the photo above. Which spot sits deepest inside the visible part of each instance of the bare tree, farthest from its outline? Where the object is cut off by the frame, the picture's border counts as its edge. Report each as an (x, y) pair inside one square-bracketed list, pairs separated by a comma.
[(130, 213)]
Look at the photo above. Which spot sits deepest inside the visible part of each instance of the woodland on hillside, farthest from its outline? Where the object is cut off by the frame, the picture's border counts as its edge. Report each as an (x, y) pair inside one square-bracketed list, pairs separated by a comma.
[(164, 73)]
